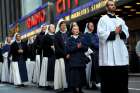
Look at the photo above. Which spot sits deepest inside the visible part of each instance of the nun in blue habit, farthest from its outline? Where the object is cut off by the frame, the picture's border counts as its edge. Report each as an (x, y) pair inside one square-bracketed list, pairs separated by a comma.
[(92, 41), (76, 49)]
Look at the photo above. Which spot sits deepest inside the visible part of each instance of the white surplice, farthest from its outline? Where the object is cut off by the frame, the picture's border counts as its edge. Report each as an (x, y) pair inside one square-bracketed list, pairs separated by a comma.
[(112, 53)]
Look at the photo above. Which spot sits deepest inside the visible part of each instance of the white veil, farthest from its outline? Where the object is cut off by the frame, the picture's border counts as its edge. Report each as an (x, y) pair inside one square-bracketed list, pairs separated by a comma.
[(57, 27), (14, 37), (86, 28)]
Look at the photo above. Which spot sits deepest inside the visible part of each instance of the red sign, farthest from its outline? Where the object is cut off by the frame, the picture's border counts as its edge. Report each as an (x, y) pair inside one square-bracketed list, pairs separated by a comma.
[(35, 19), (61, 5)]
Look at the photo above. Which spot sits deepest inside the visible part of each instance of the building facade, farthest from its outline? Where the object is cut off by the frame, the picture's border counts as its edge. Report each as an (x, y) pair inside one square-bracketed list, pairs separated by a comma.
[(10, 12)]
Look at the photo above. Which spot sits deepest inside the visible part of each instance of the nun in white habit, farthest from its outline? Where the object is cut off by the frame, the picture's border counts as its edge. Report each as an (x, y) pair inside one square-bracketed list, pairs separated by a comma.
[(11, 79), (60, 40), (1, 60), (6, 63), (18, 51), (38, 61), (30, 63), (44, 67)]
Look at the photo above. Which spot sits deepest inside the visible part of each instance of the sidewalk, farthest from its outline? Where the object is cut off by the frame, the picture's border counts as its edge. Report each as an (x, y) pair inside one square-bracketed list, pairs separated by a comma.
[(134, 74)]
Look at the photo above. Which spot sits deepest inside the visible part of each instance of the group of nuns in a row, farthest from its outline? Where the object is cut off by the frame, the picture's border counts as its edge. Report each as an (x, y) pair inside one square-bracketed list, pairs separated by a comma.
[(57, 58)]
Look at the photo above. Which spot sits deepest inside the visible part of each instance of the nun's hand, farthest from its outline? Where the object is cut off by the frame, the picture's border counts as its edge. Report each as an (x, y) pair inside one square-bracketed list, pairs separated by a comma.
[(67, 56), (52, 47), (79, 45), (20, 51)]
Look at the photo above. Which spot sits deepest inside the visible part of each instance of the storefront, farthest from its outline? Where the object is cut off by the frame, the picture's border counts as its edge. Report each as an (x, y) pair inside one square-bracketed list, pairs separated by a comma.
[(30, 24)]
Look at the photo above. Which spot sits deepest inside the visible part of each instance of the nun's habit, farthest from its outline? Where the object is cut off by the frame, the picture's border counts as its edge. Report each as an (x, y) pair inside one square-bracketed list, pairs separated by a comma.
[(37, 45), (1, 62), (11, 77), (18, 65), (60, 53), (48, 62), (77, 74), (30, 62), (6, 62), (92, 41)]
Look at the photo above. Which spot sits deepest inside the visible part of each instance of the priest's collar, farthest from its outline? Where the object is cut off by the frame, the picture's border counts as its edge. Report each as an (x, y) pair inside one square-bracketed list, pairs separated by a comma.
[(89, 32), (111, 15)]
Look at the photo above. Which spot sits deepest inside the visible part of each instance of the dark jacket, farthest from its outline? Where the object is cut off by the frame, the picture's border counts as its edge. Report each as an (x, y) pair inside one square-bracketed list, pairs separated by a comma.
[(76, 54), (14, 51), (60, 44), (31, 52), (91, 40), (48, 41), (38, 42), (1, 57)]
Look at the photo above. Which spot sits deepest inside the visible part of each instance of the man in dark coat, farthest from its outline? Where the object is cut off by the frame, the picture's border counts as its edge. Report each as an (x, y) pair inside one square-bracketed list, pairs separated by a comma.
[(19, 56)]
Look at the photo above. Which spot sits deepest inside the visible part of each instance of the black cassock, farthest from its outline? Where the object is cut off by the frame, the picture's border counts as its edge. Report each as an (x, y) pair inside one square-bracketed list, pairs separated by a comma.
[(48, 52), (77, 75), (20, 58)]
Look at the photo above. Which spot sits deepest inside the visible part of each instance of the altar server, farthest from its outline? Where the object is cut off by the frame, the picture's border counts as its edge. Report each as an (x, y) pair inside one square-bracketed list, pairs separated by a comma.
[(113, 53)]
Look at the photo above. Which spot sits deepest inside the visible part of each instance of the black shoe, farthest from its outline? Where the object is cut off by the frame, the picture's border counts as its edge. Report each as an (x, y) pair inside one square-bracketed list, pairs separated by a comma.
[(48, 88), (41, 87), (94, 87)]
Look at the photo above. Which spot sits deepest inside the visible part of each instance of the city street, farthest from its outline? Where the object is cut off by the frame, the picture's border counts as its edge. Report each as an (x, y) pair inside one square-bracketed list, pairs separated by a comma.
[(134, 87), (69, 41)]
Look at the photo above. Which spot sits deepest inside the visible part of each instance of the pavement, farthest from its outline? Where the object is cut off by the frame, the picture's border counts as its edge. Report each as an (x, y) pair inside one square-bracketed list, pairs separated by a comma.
[(134, 87)]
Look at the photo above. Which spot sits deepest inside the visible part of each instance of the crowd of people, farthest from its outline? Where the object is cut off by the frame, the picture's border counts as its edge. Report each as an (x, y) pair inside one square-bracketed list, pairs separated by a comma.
[(69, 59), (56, 58)]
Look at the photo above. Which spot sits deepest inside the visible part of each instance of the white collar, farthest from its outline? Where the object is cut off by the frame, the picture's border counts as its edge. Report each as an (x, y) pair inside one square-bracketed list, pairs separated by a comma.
[(111, 14), (18, 41), (50, 33), (63, 32), (89, 32), (75, 36)]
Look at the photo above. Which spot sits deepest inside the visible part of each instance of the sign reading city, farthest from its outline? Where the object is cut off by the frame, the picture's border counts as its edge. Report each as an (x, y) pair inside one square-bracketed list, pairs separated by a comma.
[(62, 5)]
